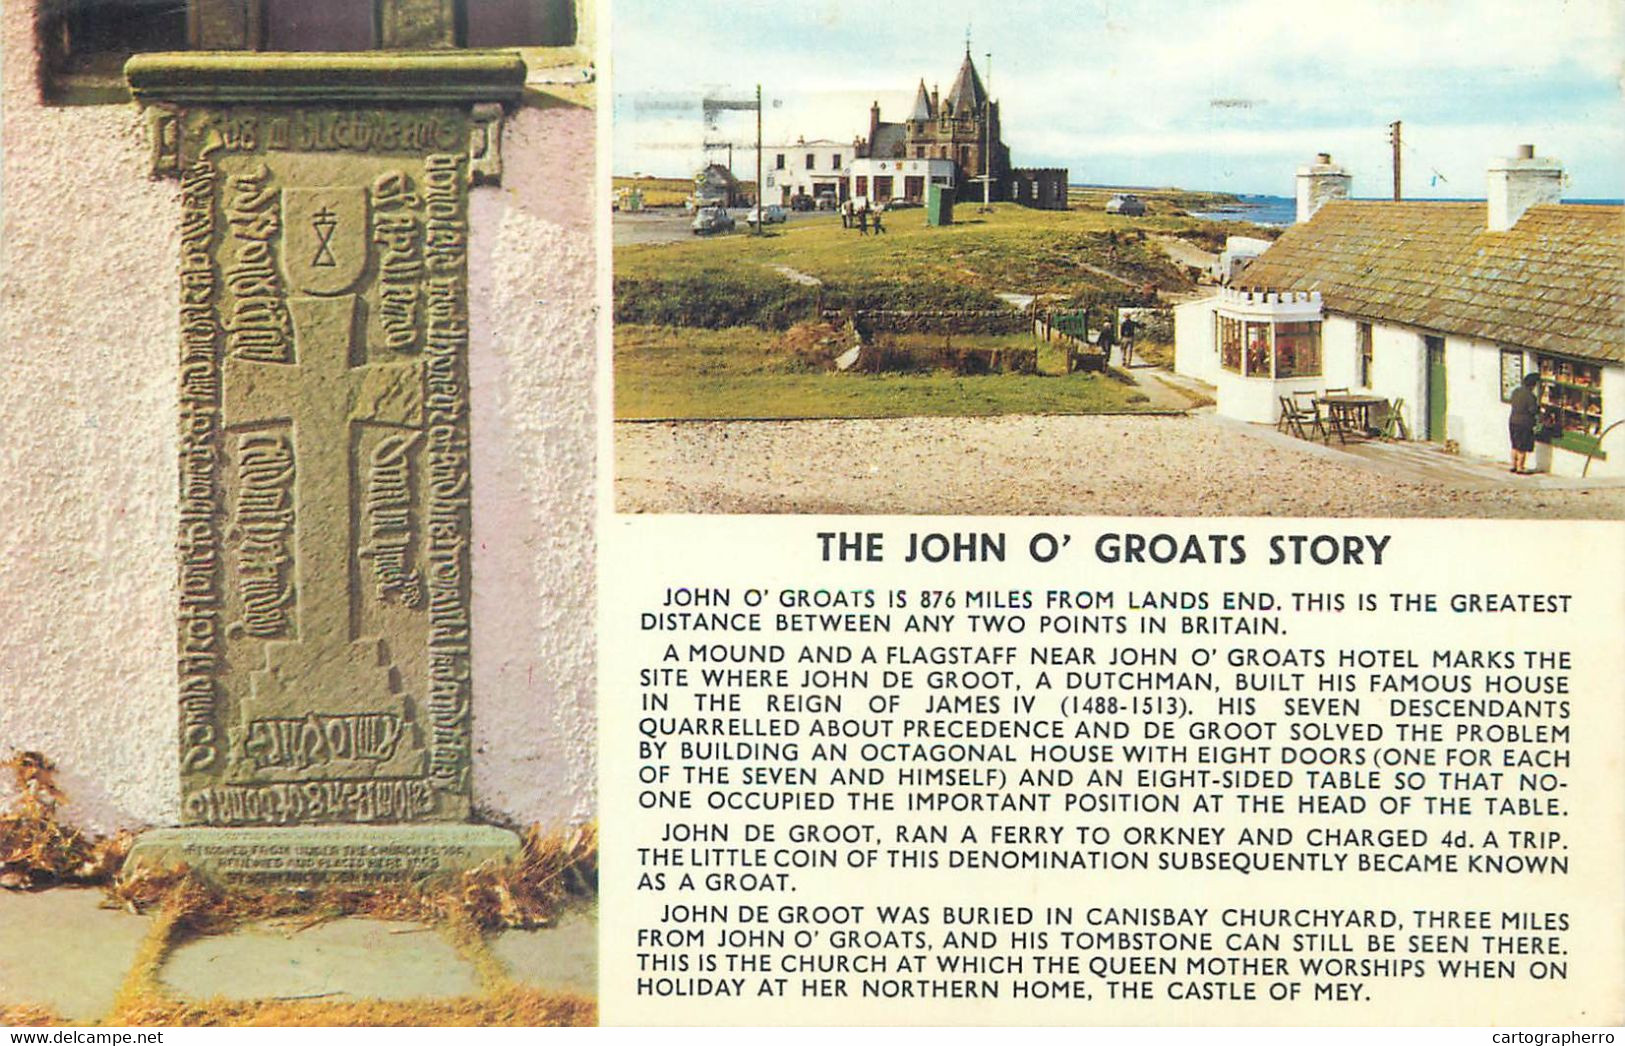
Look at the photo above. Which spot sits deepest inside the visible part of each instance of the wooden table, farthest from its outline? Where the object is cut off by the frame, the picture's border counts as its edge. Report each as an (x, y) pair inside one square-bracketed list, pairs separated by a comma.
[(1344, 410)]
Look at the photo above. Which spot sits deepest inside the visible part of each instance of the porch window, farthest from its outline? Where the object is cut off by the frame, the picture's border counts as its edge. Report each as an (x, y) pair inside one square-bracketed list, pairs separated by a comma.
[(1230, 344), (1297, 350), (1258, 351)]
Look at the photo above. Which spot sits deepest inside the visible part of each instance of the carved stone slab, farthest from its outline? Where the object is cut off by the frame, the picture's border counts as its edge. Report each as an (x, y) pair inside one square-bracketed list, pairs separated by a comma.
[(324, 629), (324, 623)]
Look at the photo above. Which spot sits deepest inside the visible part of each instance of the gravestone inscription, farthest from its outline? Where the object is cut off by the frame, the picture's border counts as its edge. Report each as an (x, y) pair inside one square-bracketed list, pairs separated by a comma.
[(325, 496)]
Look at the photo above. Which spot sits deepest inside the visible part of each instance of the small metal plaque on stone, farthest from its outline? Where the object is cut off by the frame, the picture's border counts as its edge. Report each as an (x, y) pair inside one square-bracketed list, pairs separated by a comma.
[(330, 855)]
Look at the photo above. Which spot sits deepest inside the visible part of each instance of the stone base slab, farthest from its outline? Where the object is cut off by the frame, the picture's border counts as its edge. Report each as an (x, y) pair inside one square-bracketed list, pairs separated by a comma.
[(321, 856)]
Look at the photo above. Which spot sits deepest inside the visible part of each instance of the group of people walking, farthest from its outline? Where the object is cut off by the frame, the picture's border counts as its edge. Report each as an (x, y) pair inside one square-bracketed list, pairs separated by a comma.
[(862, 218), (1107, 339)]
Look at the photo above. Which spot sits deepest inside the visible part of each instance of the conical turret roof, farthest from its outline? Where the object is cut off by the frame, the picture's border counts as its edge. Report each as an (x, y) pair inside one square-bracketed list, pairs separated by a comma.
[(922, 105), (967, 96)]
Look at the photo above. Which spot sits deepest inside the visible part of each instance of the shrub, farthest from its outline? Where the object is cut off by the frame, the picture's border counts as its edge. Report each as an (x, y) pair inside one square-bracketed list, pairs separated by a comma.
[(714, 300)]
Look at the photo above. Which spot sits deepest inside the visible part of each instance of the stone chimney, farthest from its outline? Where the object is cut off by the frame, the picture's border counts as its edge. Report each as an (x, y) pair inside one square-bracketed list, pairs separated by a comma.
[(1321, 181), (1519, 183)]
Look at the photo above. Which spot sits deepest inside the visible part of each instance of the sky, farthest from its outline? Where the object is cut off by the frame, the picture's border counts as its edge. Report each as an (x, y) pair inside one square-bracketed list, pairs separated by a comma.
[(1227, 95)]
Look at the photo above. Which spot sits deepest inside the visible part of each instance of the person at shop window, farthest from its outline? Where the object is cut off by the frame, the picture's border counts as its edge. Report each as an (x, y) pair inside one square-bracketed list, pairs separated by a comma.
[(1521, 422)]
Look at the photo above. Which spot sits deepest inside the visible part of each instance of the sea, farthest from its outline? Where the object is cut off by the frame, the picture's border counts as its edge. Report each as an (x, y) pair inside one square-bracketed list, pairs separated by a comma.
[(1260, 210), (1283, 210)]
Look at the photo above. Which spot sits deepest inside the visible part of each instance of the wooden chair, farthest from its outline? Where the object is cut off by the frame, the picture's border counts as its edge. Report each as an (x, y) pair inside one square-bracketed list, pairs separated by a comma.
[(1308, 404), (1393, 424), (1301, 421)]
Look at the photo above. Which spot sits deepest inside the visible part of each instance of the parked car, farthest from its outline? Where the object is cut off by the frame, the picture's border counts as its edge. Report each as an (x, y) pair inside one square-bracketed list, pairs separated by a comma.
[(801, 202), (1126, 203), (773, 213), (826, 201), (712, 219)]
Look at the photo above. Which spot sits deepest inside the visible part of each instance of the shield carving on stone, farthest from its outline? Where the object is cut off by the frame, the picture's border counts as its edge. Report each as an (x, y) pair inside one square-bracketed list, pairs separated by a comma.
[(324, 238)]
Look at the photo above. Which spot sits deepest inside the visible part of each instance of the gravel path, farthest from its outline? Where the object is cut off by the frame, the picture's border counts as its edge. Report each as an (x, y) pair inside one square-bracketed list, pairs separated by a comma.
[(1094, 465)]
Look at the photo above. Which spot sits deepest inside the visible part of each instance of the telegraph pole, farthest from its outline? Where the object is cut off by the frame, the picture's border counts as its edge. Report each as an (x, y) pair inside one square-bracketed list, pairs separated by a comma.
[(712, 106), (761, 217), (1393, 138), (987, 137)]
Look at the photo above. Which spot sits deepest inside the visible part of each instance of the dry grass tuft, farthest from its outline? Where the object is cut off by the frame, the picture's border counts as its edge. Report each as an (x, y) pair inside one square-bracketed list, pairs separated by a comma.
[(527, 892), (510, 1007), (37, 849), (28, 1017)]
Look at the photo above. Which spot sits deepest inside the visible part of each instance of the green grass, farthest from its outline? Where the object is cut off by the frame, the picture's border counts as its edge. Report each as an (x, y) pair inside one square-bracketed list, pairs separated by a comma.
[(1010, 249), (744, 372)]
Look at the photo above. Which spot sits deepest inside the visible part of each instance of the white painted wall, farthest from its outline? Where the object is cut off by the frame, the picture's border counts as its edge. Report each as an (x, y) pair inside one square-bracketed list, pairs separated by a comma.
[(1339, 353), (1196, 351), (1399, 371), (1477, 417), (1258, 399), (88, 347)]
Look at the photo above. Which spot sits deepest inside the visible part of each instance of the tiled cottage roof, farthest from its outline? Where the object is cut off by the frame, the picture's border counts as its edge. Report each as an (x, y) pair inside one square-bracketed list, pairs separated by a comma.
[(1555, 282), (888, 141)]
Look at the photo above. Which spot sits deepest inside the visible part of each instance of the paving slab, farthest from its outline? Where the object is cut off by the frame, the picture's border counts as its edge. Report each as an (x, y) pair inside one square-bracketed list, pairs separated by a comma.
[(61, 950), (562, 957), (343, 959)]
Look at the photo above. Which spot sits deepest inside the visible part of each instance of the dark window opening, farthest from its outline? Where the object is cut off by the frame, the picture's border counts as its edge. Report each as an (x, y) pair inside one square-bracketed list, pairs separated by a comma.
[(91, 39), (85, 43), (317, 25), (516, 23)]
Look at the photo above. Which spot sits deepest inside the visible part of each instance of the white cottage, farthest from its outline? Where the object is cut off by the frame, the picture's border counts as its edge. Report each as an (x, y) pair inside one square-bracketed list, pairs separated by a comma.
[(1439, 307)]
